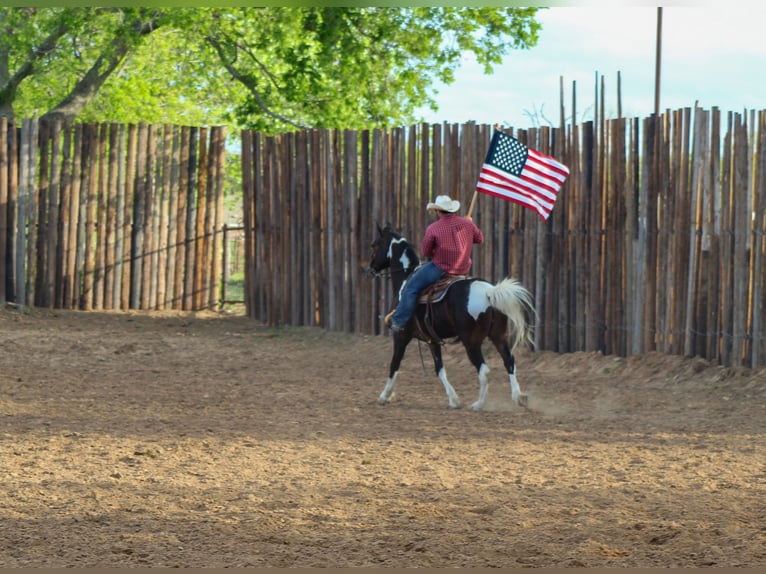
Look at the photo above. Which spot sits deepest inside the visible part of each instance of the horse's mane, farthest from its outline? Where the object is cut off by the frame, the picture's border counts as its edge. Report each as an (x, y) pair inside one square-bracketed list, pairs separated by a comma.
[(389, 230)]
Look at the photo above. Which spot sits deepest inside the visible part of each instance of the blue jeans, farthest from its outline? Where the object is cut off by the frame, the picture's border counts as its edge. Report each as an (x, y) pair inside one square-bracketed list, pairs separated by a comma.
[(421, 278)]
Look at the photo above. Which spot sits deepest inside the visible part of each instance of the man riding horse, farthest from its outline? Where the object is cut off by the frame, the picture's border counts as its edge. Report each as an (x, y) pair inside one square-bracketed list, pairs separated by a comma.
[(447, 244)]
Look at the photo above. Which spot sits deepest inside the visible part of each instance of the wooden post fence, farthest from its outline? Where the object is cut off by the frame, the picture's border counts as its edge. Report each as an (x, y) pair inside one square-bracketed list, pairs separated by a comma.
[(108, 216), (656, 241)]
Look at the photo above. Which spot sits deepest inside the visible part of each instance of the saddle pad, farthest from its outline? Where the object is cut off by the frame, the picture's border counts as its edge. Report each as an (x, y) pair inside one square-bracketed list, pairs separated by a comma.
[(436, 291)]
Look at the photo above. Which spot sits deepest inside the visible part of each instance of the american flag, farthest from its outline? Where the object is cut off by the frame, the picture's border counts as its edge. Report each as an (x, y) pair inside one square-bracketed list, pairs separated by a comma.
[(516, 173)]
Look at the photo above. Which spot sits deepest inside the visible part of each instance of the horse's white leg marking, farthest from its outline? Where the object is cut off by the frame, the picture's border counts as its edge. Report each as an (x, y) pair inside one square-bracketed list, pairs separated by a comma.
[(483, 388), (388, 390), (454, 400), (515, 389)]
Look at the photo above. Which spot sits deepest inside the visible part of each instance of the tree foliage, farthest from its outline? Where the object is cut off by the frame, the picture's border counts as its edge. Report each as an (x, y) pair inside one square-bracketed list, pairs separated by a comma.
[(264, 68), (54, 61)]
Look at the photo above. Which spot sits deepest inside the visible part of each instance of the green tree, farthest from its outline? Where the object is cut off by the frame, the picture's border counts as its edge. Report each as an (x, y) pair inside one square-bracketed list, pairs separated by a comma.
[(54, 61), (355, 67), (264, 68), (167, 78)]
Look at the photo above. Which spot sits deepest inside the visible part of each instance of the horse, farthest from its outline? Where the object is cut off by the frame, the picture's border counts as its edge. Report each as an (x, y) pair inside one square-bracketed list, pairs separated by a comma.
[(471, 310)]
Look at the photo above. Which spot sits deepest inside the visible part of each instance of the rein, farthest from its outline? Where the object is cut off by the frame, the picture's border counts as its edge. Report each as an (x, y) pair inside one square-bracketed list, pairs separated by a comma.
[(388, 271)]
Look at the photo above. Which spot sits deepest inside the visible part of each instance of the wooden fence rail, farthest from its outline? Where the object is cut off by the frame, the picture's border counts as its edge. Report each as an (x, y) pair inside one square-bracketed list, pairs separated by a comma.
[(656, 242), (109, 216)]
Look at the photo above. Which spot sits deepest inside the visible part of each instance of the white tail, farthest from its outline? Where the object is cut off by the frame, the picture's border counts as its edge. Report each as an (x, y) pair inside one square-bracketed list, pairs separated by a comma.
[(513, 300)]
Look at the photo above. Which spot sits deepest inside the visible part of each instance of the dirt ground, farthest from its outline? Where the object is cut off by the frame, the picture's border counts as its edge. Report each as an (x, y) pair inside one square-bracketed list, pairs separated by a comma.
[(208, 440)]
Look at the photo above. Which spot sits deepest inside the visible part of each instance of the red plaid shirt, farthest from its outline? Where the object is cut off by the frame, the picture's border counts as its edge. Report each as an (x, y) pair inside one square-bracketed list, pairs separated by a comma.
[(448, 242)]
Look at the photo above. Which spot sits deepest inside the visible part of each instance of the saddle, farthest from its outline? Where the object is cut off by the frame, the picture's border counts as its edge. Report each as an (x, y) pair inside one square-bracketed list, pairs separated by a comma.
[(436, 291)]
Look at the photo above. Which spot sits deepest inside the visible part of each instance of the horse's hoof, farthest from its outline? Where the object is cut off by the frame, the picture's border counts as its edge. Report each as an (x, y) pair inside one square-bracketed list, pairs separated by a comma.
[(476, 407), (523, 401), (383, 400), (456, 406)]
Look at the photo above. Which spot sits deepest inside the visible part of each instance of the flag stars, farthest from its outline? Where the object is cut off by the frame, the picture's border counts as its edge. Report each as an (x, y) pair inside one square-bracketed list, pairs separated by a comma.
[(510, 155)]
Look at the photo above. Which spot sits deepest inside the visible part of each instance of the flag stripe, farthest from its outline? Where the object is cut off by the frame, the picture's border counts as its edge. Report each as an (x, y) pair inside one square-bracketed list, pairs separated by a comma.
[(502, 185), (522, 184), (520, 199), (553, 168), (489, 179), (536, 177), (538, 180)]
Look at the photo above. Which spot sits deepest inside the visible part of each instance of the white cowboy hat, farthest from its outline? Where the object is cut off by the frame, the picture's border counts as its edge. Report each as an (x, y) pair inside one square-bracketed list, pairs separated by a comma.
[(444, 203)]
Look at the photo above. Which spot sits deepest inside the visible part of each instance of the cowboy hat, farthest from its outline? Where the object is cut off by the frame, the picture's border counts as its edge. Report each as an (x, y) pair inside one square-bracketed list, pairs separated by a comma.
[(444, 203)]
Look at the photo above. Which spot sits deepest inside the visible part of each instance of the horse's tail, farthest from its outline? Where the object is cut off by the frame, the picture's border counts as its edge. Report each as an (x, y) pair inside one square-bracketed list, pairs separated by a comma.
[(513, 300)]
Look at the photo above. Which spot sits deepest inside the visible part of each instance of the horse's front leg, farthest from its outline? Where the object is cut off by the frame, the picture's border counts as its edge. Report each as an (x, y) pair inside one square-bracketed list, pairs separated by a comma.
[(436, 353), (401, 340)]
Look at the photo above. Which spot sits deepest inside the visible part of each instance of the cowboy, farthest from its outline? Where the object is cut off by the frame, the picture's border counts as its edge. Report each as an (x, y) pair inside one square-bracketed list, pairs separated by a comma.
[(447, 245)]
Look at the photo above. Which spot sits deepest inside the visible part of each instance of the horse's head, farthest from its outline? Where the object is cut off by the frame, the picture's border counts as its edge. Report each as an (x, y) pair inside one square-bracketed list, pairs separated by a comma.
[(380, 252), (391, 250)]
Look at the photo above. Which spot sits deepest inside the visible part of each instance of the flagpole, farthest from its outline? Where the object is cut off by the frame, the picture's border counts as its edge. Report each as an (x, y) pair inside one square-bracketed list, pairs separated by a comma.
[(475, 191), (473, 204)]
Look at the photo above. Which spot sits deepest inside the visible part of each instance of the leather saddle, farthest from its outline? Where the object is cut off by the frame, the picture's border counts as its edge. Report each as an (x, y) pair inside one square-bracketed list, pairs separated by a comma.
[(436, 291)]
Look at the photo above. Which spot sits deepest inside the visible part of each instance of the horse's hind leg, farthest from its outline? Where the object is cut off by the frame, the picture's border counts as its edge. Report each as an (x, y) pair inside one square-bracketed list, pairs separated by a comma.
[(436, 353), (501, 344)]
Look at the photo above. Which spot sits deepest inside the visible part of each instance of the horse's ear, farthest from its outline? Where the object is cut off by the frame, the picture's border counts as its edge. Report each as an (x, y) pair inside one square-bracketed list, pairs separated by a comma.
[(380, 230)]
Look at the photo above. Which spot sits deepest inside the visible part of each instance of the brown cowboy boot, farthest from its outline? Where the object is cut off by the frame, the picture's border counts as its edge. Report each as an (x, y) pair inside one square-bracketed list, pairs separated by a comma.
[(387, 318)]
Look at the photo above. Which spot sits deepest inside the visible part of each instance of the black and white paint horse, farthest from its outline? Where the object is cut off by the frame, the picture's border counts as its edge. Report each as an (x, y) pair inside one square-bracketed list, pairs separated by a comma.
[(471, 310)]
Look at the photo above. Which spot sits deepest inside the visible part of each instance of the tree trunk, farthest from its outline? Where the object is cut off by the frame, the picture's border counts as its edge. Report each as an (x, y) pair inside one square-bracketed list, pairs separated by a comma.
[(7, 92)]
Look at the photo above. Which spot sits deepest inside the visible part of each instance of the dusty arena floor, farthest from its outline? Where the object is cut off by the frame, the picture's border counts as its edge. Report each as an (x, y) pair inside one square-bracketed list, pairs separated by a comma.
[(206, 440)]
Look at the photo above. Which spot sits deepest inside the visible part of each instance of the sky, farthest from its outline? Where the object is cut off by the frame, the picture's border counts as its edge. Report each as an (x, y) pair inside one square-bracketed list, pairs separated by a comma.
[(709, 54)]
